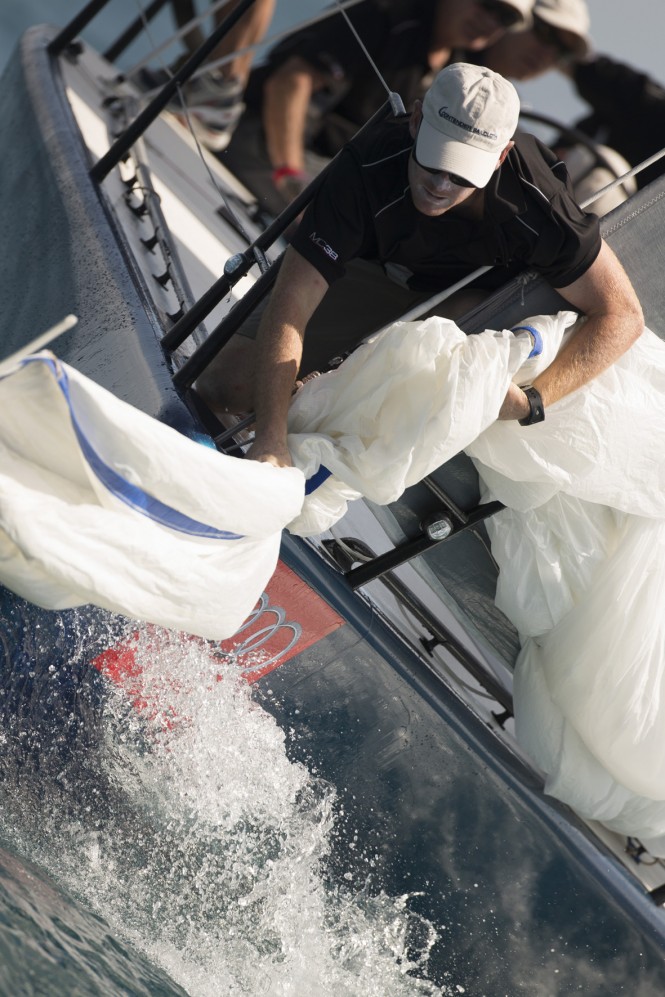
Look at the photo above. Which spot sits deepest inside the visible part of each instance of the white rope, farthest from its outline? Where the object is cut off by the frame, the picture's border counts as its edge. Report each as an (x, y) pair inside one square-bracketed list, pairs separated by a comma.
[(625, 176), (38, 343), (436, 299)]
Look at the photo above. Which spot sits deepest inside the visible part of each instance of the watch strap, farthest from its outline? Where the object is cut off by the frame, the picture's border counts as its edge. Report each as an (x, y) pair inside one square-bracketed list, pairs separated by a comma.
[(536, 407)]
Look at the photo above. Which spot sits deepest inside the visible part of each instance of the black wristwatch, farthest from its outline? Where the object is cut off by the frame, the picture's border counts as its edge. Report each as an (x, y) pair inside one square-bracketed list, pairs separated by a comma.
[(536, 407)]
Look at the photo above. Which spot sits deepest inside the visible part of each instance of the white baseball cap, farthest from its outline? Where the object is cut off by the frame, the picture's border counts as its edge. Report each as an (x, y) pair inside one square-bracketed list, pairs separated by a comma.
[(469, 115), (570, 17)]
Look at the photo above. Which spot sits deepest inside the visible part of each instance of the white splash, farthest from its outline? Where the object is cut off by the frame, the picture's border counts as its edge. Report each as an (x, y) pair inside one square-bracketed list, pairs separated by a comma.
[(221, 882)]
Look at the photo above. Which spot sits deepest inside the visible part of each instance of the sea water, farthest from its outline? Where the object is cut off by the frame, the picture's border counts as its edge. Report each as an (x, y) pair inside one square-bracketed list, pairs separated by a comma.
[(156, 838)]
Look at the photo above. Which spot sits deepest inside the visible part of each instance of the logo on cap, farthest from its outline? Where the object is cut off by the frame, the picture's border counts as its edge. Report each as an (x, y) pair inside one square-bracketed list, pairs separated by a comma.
[(443, 113)]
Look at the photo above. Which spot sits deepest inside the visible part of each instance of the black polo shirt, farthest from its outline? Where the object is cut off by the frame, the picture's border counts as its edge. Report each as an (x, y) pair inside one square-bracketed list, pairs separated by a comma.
[(364, 210)]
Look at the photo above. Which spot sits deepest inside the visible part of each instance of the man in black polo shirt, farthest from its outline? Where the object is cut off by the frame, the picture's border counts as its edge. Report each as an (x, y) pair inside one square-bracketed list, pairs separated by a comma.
[(412, 208)]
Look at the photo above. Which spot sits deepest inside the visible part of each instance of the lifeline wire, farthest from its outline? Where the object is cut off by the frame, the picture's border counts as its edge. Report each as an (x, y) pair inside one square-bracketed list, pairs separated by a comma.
[(624, 176)]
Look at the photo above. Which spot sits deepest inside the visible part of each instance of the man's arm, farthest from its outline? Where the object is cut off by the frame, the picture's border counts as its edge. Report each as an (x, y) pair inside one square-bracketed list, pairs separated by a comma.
[(298, 290), (614, 321)]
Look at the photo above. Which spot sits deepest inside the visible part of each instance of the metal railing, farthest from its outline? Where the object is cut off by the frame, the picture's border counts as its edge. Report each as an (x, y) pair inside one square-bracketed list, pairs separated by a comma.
[(435, 530), (133, 30), (123, 144), (75, 26), (351, 549)]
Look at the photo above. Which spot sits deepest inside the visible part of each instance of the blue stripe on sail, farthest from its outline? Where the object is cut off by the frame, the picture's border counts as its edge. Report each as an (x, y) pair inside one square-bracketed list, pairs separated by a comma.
[(131, 495), (317, 480)]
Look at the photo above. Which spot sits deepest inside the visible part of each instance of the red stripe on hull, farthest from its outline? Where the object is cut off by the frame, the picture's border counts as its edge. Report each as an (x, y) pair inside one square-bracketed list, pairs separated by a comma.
[(289, 618)]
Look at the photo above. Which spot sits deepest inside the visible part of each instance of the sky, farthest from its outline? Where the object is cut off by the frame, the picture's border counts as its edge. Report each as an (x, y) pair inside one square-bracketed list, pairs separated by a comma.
[(630, 30)]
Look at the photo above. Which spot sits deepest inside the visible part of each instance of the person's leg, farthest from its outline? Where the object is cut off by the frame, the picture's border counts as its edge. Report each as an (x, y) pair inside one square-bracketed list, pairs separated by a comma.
[(215, 98), (249, 30), (246, 157), (184, 12), (360, 303), (227, 384)]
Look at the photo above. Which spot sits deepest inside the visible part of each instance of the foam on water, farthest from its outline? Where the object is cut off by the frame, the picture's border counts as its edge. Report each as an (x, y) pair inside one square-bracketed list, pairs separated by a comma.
[(212, 859)]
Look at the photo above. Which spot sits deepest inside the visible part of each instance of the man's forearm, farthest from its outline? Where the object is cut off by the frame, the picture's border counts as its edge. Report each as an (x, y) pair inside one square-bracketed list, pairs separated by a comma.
[(298, 290), (592, 349), (598, 344), (614, 320), (279, 351)]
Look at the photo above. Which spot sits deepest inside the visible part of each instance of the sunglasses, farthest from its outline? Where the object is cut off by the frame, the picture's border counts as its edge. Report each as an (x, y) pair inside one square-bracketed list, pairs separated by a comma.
[(506, 15), (454, 179), (548, 35)]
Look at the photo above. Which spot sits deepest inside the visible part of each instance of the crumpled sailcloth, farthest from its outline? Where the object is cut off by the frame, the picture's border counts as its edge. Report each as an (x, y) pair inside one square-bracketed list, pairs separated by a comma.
[(398, 407), (580, 546), (100, 503), (581, 551)]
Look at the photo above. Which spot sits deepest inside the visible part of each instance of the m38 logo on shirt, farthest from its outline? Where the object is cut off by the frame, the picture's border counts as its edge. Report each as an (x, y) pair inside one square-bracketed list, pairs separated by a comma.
[(322, 244)]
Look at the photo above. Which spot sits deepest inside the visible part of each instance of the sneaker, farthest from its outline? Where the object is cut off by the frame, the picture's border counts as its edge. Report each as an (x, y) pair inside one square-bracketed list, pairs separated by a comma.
[(151, 79), (215, 106)]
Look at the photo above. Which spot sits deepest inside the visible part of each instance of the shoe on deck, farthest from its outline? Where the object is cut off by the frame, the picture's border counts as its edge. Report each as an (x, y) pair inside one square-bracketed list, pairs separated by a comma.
[(215, 106)]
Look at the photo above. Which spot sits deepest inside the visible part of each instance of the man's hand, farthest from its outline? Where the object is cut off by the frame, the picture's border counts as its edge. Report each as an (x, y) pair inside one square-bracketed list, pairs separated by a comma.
[(515, 404)]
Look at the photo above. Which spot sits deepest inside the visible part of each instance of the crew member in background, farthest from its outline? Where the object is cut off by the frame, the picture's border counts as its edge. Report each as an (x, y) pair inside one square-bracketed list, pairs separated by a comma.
[(627, 110), (318, 86), (557, 39), (558, 33)]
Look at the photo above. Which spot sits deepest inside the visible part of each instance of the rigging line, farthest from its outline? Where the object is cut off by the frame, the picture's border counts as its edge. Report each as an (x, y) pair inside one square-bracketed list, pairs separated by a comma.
[(211, 176), (196, 21), (396, 103)]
